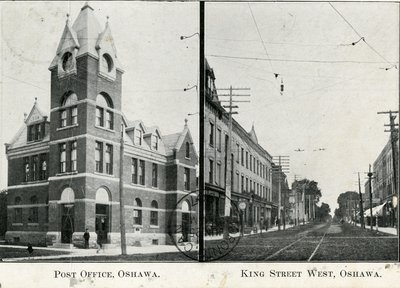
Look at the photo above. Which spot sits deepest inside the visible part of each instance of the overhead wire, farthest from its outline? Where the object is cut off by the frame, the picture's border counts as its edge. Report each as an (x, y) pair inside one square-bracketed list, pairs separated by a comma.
[(297, 60), (361, 37), (259, 34)]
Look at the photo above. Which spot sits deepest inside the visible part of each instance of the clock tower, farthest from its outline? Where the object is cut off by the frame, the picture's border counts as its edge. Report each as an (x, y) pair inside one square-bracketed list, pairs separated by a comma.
[(85, 127)]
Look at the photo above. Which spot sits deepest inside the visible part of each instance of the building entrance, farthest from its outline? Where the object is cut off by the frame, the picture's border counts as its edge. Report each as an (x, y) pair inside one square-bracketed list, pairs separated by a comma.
[(102, 223), (67, 223)]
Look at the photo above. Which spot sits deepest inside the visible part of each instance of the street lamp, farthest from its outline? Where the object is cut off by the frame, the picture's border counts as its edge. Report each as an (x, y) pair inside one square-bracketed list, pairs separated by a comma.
[(190, 36), (190, 88)]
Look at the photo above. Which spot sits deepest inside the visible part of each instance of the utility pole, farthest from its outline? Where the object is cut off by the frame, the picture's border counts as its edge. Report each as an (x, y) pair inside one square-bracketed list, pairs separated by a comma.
[(361, 203), (370, 194), (121, 193), (393, 139), (283, 167), (228, 180)]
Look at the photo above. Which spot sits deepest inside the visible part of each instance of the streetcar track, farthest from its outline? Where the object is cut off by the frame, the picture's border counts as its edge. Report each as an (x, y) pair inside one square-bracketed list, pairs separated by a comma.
[(301, 238), (319, 244), (284, 248)]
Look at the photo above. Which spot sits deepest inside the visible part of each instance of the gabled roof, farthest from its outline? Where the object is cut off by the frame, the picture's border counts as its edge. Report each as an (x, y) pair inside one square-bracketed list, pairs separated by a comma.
[(135, 124), (36, 114), (153, 130), (20, 138), (170, 142), (105, 41), (174, 141)]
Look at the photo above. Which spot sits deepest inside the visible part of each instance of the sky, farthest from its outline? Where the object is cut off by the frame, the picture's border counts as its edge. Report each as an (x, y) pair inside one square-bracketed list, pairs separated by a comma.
[(332, 89), (158, 65)]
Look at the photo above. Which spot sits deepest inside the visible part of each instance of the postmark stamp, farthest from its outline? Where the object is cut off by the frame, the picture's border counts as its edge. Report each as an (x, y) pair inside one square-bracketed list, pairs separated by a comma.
[(185, 233)]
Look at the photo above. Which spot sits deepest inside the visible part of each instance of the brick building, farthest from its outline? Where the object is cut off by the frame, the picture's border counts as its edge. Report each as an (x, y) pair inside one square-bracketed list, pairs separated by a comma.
[(383, 187), (64, 168), (250, 174)]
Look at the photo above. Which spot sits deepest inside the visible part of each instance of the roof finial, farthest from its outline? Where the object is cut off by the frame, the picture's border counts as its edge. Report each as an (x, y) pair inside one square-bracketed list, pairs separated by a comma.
[(186, 120), (25, 115), (35, 100), (67, 17)]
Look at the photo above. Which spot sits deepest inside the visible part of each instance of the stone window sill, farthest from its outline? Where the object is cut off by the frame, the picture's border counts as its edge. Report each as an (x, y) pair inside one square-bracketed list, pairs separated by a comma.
[(33, 224), (67, 173), (67, 127), (34, 182), (154, 226), (104, 174), (104, 128), (17, 224)]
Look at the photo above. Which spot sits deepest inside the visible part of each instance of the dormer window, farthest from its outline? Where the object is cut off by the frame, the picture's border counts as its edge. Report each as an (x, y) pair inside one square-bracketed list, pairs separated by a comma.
[(104, 115), (138, 137), (67, 61), (69, 110), (107, 63), (154, 142), (36, 132)]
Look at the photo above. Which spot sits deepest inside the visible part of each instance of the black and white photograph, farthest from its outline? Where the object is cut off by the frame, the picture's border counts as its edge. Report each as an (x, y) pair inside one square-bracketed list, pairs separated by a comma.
[(301, 131), (100, 121), (199, 144)]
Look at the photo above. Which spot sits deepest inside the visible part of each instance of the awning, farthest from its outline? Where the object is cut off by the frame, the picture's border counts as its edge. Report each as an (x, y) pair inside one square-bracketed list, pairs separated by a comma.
[(375, 210)]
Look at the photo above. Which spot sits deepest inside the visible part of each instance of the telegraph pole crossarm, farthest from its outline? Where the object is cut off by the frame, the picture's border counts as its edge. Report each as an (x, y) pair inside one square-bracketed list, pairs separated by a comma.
[(228, 180)]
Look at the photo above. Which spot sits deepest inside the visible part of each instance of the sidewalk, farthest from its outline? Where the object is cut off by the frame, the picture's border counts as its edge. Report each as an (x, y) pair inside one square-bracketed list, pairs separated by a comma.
[(387, 230), (272, 229), (77, 252)]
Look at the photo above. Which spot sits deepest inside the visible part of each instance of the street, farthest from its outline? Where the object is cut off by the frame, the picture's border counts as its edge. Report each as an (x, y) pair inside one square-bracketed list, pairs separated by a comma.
[(314, 242)]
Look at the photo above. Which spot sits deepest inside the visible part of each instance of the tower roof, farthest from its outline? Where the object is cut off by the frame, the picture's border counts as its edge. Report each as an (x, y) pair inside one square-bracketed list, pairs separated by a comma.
[(87, 29), (86, 36)]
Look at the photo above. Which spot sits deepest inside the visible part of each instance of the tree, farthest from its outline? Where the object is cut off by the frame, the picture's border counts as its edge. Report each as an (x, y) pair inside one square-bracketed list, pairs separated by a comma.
[(322, 213), (311, 188), (347, 202), (312, 194)]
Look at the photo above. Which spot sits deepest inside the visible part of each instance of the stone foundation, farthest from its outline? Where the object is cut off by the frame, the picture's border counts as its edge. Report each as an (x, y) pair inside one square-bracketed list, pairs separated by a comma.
[(25, 237)]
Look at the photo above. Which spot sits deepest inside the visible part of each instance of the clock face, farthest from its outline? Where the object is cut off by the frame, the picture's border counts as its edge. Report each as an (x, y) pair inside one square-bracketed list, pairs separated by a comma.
[(67, 61)]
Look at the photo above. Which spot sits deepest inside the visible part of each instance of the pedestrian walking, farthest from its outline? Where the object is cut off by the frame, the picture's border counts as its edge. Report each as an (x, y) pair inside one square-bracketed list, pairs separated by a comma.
[(99, 241), (86, 236)]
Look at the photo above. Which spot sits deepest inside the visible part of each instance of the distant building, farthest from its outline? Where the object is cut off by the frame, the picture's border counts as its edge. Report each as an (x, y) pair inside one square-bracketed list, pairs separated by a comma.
[(64, 174), (279, 176), (250, 166)]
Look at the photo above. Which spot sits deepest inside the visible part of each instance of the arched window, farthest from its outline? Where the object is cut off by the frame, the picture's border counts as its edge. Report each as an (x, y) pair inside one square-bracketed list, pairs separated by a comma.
[(137, 212), (33, 211), (154, 214), (102, 196), (69, 111), (67, 196), (67, 61), (187, 150), (104, 115), (17, 210), (107, 63), (185, 207)]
